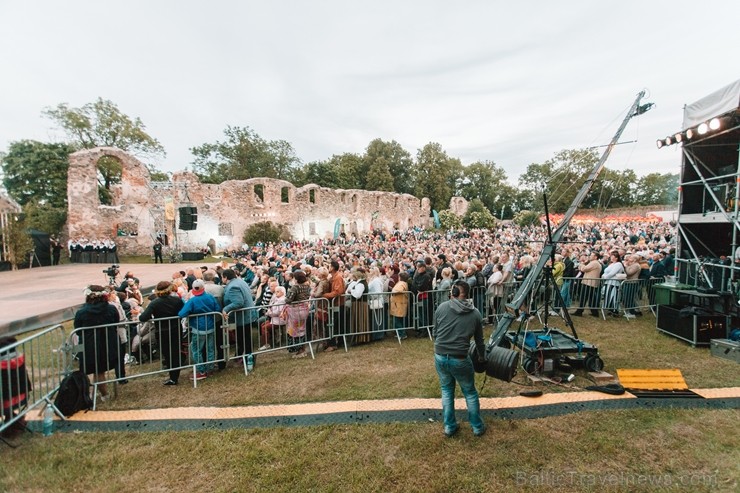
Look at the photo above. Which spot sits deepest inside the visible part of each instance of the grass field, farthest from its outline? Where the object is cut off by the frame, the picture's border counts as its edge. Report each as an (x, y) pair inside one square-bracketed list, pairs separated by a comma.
[(628, 450)]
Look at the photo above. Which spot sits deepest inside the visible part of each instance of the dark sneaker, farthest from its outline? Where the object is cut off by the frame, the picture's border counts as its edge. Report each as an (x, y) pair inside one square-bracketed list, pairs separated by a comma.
[(200, 376), (450, 434), (169, 381), (480, 433)]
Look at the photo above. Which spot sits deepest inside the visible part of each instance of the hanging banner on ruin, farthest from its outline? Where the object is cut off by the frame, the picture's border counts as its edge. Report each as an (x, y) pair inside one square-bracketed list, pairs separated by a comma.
[(169, 209)]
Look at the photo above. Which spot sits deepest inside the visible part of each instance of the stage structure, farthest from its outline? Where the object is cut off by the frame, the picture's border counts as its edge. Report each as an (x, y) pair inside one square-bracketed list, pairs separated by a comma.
[(708, 219)]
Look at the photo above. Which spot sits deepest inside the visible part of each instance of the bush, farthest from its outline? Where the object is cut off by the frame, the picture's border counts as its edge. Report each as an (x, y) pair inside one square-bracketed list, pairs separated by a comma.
[(478, 216), (449, 220), (527, 218), (265, 232)]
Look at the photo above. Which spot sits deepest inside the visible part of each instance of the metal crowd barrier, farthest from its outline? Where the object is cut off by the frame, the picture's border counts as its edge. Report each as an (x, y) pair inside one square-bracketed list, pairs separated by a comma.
[(135, 350), (30, 373)]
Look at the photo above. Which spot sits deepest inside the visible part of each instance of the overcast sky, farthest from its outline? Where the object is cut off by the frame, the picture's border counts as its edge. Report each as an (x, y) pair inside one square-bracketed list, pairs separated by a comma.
[(511, 82)]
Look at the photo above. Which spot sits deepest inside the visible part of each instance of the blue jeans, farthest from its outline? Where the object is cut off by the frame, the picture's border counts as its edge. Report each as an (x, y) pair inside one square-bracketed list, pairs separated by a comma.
[(565, 293), (451, 369), (196, 351)]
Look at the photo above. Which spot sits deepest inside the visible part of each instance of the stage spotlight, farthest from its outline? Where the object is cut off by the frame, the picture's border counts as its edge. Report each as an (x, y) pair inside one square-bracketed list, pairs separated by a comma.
[(690, 133), (714, 124), (678, 138), (668, 141), (659, 143), (703, 128)]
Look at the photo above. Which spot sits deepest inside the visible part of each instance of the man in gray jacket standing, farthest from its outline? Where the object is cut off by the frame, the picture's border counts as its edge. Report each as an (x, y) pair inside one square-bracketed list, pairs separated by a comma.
[(455, 322)]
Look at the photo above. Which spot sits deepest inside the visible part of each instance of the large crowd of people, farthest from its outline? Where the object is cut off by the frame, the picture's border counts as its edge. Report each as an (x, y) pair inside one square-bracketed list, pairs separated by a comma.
[(367, 283)]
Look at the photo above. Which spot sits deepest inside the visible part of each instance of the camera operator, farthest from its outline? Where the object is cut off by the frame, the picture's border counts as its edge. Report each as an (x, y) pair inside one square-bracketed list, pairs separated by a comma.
[(455, 322), (125, 282)]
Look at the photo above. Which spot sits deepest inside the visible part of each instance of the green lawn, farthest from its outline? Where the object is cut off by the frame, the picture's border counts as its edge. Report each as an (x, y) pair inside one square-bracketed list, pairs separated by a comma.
[(628, 450)]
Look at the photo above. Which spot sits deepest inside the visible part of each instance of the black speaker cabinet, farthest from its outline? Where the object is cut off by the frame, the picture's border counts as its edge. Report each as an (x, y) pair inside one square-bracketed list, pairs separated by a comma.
[(188, 218), (695, 329)]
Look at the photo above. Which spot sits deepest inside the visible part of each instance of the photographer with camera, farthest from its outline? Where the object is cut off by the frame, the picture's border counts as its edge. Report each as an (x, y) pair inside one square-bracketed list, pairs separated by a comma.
[(455, 322)]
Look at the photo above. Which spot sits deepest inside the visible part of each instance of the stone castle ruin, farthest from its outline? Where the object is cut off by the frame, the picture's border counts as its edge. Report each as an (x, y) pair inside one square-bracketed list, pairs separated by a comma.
[(142, 209)]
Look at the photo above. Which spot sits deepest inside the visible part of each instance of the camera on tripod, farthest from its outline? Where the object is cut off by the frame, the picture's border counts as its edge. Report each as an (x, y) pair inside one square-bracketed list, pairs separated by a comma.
[(112, 272)]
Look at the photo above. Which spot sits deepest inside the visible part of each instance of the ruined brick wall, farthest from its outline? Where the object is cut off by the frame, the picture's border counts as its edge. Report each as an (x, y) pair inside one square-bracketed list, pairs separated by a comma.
[(224, 211)]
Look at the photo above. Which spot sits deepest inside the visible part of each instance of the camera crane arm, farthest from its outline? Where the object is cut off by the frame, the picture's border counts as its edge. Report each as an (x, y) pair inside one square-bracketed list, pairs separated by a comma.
[(548, 250)]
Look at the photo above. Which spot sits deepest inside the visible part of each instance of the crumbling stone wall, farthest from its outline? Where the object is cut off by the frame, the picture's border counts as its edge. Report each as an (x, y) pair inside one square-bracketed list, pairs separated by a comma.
[(224, 211)]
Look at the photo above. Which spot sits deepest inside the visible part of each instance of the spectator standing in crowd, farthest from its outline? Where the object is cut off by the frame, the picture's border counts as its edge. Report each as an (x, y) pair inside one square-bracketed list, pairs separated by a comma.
[(375, 303), (455, 322), (613, 276), (591, 269), (321, 307), (297, 309), (400, 304), (201, 310), (239, 310), (569, 273), (166, 306), (217, 291), (357, 290), (337, 298), (421, 285), (273, 328), (100, 344), (496, 291)]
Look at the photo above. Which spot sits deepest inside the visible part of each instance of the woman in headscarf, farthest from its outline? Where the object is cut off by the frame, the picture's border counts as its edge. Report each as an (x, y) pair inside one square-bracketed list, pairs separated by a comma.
[(357, 289), (297, 310), (100, 344)]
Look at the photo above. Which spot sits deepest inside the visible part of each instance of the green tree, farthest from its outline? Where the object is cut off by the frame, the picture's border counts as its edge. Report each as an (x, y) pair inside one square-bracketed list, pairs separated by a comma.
[(243, 155), (478, 216), (396, 159), (102, 124), (379, 176), (436, 175), (349, 170), (45, 217), (612, 189), (18, 241), (657, 189), (320, 173), (560, 177), (37, 171), (487, 182)]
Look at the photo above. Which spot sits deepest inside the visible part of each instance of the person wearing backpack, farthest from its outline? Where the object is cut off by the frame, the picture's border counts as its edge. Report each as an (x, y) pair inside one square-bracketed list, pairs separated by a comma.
[(100, 343)]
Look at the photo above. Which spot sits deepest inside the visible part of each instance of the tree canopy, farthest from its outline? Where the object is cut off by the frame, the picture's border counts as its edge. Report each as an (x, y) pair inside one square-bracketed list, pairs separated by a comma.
[(243, 155), (102, 124)]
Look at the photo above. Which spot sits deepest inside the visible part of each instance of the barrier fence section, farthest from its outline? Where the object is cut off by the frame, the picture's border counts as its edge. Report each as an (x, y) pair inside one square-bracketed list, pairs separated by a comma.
[(30, 373), (33, 368), (603, 297)]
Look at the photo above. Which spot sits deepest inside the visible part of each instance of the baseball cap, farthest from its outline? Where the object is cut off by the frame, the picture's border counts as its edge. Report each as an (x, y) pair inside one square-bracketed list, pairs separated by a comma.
[(198, 285)]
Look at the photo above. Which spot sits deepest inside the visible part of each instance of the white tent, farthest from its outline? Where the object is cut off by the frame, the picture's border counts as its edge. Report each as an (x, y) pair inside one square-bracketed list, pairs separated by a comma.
[(716, 104)]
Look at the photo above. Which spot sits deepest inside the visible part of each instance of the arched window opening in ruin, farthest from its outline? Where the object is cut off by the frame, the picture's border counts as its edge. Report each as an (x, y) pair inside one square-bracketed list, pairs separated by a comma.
[(259, 193), (285, 195), (353, 202), (110, 169), (344, 198), (395, 202), (312, 196), (377, 201)]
